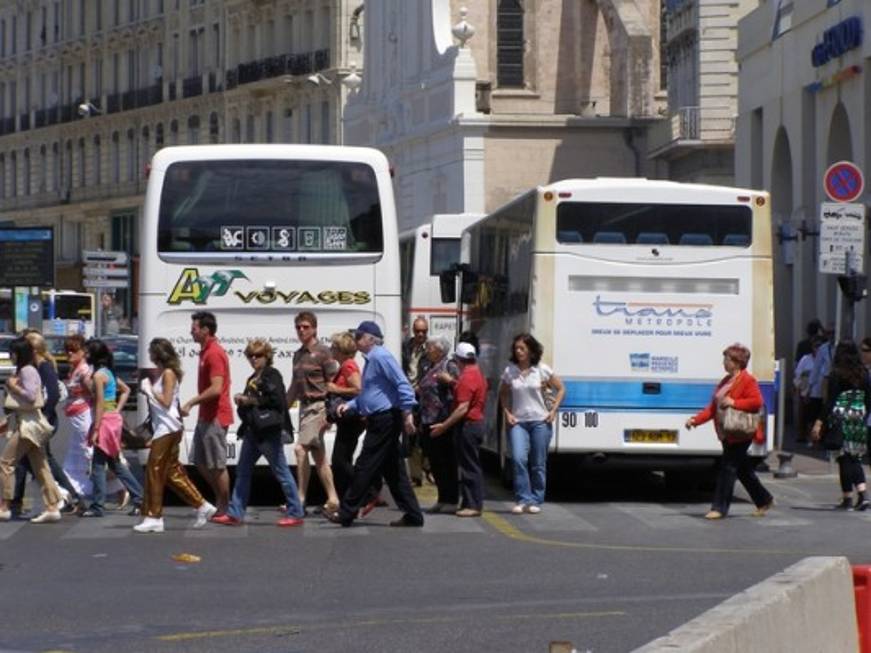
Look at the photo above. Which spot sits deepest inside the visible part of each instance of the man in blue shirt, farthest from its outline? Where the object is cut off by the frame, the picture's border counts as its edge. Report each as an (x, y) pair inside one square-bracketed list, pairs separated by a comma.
[(386, 401)]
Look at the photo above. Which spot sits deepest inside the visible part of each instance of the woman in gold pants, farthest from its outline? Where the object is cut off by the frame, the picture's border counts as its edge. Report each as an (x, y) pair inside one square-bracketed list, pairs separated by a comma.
[(163, 467)]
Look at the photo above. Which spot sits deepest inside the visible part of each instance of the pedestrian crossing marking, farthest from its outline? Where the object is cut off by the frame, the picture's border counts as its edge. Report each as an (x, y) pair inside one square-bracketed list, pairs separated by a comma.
[(552, 518), (451, 524), (658, 516)]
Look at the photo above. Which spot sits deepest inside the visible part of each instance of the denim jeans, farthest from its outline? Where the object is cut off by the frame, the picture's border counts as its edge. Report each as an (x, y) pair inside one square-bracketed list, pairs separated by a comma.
[(529, 442), (271, 448), (98, 478)]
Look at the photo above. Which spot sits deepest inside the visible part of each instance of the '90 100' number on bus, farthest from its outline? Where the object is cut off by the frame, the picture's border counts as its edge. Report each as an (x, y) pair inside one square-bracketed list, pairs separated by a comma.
[(589, 419)]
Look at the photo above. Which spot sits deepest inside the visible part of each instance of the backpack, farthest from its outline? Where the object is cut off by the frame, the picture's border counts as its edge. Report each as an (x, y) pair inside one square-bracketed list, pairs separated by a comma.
[(846, 424)]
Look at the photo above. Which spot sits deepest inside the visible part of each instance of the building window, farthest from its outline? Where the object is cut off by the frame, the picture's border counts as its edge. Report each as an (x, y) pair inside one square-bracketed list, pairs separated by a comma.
[(158, 136), (509, 44), (98, 162), (2, 176), (237, 130), (173, 132), (325, 122), (288, 126), (249, 129), (213, 128), (13, 175), (70, 240), (194, 130), (270, 129), (131, 155), (43, 169), (116, 158), (83, 169), (55, 167), (26, 171), (782, 18)]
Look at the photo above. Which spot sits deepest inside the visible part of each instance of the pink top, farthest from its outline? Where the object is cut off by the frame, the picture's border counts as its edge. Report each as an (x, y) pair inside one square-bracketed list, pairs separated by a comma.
[(77, 383)]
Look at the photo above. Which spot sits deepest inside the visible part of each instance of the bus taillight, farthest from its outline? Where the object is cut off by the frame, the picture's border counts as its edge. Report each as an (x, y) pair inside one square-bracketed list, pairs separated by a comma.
[(760, 201)]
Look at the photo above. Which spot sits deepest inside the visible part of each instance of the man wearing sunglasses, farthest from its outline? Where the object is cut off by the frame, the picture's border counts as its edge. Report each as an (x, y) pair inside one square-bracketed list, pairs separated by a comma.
[(313, 367)]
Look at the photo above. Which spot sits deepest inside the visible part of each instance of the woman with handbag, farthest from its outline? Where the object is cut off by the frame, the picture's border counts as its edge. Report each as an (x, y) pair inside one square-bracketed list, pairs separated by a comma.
[(529, 419), (47, 367), (262, 407), (735, 410), (28, 431), (165, 423), (110, 394), (847, 405)]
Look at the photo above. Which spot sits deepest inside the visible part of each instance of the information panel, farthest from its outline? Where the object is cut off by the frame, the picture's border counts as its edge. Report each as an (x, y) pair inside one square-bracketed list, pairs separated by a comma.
[(26, 256), (842, 237)]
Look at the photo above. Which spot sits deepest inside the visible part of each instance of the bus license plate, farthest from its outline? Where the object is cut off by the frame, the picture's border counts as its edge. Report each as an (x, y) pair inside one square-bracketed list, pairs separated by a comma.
[(648, 436)]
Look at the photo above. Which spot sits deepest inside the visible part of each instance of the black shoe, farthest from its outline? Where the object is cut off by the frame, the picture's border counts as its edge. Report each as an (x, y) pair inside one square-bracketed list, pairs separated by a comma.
[(136, 511), (336, 519), (846, 504), (861, 505), (91, 513), (407, 521)]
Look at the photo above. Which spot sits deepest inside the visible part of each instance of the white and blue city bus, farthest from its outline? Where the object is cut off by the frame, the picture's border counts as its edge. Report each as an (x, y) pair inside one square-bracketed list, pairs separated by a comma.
[(635, 288)]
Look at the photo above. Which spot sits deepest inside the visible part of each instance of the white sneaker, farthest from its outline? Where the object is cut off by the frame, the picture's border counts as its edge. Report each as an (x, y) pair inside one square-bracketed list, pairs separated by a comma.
[(204, 513), (533, 510), (517, 509), (5, 515), (150, 525), (47, 517)]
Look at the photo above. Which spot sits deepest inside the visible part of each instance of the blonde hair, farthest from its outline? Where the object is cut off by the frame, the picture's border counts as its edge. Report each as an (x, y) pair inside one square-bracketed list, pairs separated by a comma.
[(260, 346), (40, 349), (344, 343)]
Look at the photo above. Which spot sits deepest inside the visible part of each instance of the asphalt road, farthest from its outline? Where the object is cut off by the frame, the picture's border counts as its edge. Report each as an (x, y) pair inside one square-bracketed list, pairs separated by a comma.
[(608, 566)]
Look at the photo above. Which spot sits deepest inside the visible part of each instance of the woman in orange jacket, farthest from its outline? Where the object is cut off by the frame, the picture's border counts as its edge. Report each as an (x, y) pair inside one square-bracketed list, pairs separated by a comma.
[(738, 390)]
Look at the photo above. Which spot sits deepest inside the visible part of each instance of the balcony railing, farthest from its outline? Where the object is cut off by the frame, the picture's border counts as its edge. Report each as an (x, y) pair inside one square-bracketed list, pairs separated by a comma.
[(694, 126), (303, 63), (7, 125), (192, 86), (24, 122), (40, 118), (128, 100)]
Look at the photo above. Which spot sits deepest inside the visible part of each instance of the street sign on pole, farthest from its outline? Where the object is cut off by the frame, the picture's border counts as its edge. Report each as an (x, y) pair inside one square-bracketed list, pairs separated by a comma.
[(843, 182), (106, 271), (842, 237), (99, 256), (105, 283)]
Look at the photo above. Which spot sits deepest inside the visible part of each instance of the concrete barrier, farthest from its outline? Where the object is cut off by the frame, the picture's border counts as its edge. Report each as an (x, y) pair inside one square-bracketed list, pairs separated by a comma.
[(807, 608)]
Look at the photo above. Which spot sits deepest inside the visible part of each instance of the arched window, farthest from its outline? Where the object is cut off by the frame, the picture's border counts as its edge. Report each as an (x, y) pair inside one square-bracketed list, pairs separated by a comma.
[(509, 44), (116, 158), (13, 175), (194, 130), (26, 174), (68, 168), (213, 128), (131, 155), (249, 129), (158, 136), (55, 167), (145, 148), (2, 176), (173, 132), (237, 130), (43, 169), (98, 161), (83, 169)]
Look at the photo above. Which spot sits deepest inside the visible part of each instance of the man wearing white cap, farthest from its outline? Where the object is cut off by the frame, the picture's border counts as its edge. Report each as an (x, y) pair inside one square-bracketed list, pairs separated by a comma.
[(470, 395), (385, 400)]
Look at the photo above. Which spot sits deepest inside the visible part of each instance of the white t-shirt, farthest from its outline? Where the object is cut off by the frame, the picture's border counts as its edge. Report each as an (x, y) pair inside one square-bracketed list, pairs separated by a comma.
[(527, 396), (163, 421)]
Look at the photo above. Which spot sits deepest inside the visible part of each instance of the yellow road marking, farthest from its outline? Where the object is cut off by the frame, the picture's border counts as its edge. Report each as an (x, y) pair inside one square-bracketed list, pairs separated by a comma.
[(297, 629), (509, 530)]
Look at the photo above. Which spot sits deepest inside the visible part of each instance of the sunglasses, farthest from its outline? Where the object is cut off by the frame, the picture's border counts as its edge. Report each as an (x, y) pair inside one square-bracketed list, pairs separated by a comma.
[(421, 331), (253, 356), (303, 327)]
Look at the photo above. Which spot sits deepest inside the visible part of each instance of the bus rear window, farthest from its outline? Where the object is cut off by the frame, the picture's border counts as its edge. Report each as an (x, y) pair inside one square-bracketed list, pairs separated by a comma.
[(268, 206), (693, 225), (444, 254)]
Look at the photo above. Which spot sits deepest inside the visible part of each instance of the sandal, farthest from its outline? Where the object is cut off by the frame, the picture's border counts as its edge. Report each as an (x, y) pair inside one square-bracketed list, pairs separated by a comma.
[(331, 506)]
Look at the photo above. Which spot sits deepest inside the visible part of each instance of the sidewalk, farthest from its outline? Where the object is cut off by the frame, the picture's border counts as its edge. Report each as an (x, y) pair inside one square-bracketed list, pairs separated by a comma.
[(809, 461)]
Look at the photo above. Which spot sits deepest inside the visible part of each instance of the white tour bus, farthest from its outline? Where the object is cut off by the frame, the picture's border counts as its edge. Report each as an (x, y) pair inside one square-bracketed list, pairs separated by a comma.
[(256, 234), (635, 288), (424, 253)]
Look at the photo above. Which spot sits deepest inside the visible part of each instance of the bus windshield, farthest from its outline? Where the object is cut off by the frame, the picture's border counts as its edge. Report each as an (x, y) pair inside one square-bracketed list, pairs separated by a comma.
[(654, 224), (269, 206)]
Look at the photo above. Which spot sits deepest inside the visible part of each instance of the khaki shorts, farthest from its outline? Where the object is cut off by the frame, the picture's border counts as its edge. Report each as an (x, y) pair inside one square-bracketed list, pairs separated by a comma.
[(312, 424), (210, 445)]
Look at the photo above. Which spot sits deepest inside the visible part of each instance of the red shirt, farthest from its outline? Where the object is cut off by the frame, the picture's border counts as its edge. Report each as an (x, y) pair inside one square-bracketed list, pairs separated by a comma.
[(214, 362), (348, 369), (471, 387)]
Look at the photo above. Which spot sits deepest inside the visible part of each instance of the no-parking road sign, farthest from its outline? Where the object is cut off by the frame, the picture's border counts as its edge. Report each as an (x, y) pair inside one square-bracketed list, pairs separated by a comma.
[(843, 181)]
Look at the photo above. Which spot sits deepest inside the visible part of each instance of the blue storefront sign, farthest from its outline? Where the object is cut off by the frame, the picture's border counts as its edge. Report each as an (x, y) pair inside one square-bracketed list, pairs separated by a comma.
[(837, 41)]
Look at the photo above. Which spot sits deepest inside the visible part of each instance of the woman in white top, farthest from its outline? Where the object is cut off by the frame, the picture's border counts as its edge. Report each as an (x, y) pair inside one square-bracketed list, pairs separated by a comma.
[(529, 418), (163, 466)]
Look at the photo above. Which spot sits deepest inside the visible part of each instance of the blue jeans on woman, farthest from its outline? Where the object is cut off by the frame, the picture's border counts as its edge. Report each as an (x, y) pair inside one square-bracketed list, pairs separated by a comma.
[(272, 449), (529, 442), (98, 478)]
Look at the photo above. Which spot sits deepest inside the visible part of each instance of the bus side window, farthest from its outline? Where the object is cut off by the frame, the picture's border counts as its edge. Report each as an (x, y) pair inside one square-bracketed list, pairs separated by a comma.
[(696, 240), (736, 240), (610, 237), (651, 238), (569, 236)]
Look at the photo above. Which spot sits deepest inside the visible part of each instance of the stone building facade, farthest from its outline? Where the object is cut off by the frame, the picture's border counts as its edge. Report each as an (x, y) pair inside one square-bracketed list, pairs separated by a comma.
[(476, 105), (90, 89), (697, 140)]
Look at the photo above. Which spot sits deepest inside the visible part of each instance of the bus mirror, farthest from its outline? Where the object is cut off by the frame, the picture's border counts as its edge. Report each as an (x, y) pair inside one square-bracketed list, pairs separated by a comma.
[(448, 286), (469, 288)]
